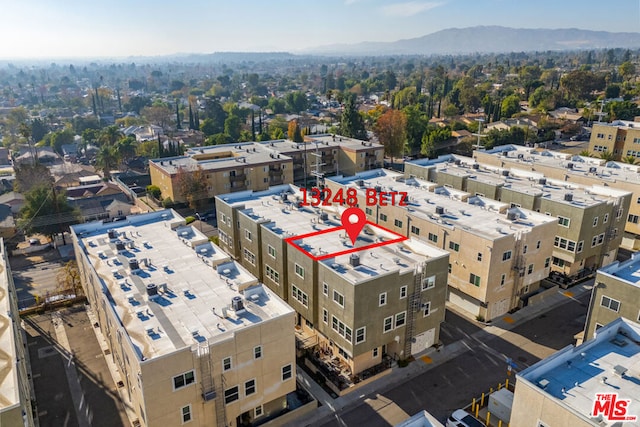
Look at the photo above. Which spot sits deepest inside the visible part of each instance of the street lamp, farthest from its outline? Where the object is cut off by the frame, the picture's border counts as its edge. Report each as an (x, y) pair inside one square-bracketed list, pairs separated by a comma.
[(200, 220)]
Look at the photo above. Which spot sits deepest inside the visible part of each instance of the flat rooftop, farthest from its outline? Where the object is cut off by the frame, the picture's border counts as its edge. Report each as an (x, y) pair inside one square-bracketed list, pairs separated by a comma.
[(609, 363), (9, 394), (195, 283), (627, 271), (478, 215), (347, 143)]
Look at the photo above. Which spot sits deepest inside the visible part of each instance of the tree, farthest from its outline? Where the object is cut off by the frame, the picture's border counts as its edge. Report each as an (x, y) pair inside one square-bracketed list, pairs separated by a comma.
[(46, 211), (38, 129), (68, 279), (192, 185), (510, 105), (293, 132), (607, 156), (126, 149), (159, 115), (579, 84), (417, 122), (154, 191), (630, 160), (232, 127), (29, 176), (433, 136), (622, 110), (391, 129), (627, 70), (296, 101), (110, 135), (585, 153), (107, 159), (351, 123)]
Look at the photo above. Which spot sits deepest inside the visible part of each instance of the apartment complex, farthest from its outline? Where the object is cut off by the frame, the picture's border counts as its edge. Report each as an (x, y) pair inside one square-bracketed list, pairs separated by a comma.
[(616, 293), (194, 335), (498, 254), (574, 169), (359, 306), (15, 390), (591, 219), (229, 168), (562, 389), (620, 137)]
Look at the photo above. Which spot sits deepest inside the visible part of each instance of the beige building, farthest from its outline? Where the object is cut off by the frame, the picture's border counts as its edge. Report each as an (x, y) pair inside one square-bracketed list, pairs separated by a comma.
[(616, 293), (194, 335), (620, 137), (334, 297), (15, 390), (591, 219), (574, 169), (561, 390), (497, 254)]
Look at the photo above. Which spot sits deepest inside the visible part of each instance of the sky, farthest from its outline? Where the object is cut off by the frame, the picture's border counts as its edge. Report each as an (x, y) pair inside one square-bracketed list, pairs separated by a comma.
[(121, 28)]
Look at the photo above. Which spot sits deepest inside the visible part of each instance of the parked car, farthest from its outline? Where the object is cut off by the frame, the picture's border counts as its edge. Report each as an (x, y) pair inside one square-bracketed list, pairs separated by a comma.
[(461, 418)]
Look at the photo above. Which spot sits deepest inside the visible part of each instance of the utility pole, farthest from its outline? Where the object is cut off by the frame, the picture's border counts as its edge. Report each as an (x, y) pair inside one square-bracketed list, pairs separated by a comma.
[(479, 134)]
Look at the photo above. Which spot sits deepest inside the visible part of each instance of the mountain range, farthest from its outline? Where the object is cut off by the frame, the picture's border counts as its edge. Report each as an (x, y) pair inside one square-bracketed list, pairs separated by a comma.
[(487, 39)]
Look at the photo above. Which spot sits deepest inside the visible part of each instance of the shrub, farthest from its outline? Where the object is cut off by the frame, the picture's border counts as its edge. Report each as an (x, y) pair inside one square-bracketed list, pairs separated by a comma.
[(190, 219), (167, 203), (154, 191)]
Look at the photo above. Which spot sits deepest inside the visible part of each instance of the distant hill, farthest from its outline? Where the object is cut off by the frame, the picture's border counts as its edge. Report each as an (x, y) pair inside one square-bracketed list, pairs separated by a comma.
[(485, 39)]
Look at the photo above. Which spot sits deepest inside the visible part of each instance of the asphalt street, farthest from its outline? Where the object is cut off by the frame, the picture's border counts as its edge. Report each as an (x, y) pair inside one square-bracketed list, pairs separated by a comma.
[(37, 279), (482, 366)]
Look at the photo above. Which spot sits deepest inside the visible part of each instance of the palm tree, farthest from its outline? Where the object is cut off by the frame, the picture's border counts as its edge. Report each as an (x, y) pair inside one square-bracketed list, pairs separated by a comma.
[(106, 159), (585, 153), (607, 156), (126, 149), (630, 159), (110, 135)]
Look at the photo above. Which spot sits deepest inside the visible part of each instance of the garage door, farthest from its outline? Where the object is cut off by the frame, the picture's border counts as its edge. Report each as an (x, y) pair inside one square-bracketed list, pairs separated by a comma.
[(464, 302)]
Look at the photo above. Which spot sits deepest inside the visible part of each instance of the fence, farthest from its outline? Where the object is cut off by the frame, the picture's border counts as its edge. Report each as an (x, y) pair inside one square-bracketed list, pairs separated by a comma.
[(479, 405)]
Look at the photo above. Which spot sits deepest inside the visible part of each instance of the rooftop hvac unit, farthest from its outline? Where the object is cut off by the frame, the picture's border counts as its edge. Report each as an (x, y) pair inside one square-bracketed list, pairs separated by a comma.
[(570, 165), (354, 260), (284, 196), (120, 246), (236, 304), (457, 161), (360, 183), (133, 265), (475, 166), (439, 210), (152, 289), (505, 173), (378, 188), (542, 181), (113, 234), (593, 169), (521, 156), (512, 216), (568, 197), (324, 216)]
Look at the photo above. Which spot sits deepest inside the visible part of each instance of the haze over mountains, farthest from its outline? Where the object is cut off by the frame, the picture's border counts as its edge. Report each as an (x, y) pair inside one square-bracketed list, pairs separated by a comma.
[(487, 39)]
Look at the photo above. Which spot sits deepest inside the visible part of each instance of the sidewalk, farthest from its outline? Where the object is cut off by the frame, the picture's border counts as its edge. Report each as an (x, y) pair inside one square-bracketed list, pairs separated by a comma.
[(429, 359)]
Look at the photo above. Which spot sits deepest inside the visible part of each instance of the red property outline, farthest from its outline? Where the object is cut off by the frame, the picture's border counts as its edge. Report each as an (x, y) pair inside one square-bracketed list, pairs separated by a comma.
[(290, 240)]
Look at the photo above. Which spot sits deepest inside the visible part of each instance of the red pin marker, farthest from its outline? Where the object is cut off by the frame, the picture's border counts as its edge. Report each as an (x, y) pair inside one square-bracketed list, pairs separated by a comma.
[(353, 220)]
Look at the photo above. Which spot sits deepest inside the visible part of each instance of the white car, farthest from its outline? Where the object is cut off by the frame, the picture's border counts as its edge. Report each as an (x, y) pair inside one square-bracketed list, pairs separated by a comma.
[(461, 418)]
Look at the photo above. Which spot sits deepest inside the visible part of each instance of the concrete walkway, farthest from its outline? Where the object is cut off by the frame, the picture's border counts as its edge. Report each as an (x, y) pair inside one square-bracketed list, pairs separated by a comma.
[(429, 359)]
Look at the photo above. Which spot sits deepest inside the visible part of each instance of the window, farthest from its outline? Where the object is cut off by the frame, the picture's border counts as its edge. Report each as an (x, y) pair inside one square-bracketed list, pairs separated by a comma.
[(605, 219), (343, 330), (272, 274), (610, 303), (249, 387), (231, 395), (415, 230), (632, 219), (249, 256), (401, 319), (433, 238), (382, 299), (397, 223), (530, 269), (361, 335), (368, 211), (580, 246), (426, 309), (428, 283), (597, 240), (247, 235), (387, 324), (287, 372), (559, 262), (258, 411), (619, 213), (338, 298), (546, 262), (186, 414), (325, 289), (257, 352), (503, 279), (595, 221), (506, 256), (226, 364), (538, 245), (299, 271), (524, 249), (299, 296), (374, 352), (183, 380), (563, 221), (403, 292), (325, 315), (383, 217), (449, 268), (474, 280), (271, 251), (479, 257), (454, 246)]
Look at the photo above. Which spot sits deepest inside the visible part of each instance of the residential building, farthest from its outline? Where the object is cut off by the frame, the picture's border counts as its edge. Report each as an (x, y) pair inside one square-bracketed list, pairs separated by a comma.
[(562, 389), (498, 254), (591, 219), (615, 293), (195, 337), (102, 200), (7, 222), (15, 390), (334, 296), (574, 169), (620, 138)]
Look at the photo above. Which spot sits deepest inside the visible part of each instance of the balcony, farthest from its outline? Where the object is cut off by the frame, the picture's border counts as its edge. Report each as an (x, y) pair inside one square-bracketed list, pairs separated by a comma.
[(275, 172), (237, 177)]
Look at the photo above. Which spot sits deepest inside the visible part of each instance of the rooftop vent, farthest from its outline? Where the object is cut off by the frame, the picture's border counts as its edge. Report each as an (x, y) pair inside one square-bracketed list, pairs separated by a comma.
[(324, 216), (378, 188), (475, 166), (236, 304), (457, 161), (113, 234), (542, 181), (568, 197), (360, 183), (505, 173), (284, 196), (133, 265), (570, 165), (439, 210), (152, 289), (521, 156), (120, 246), (593, 169), (512, 216), (354, 260)]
